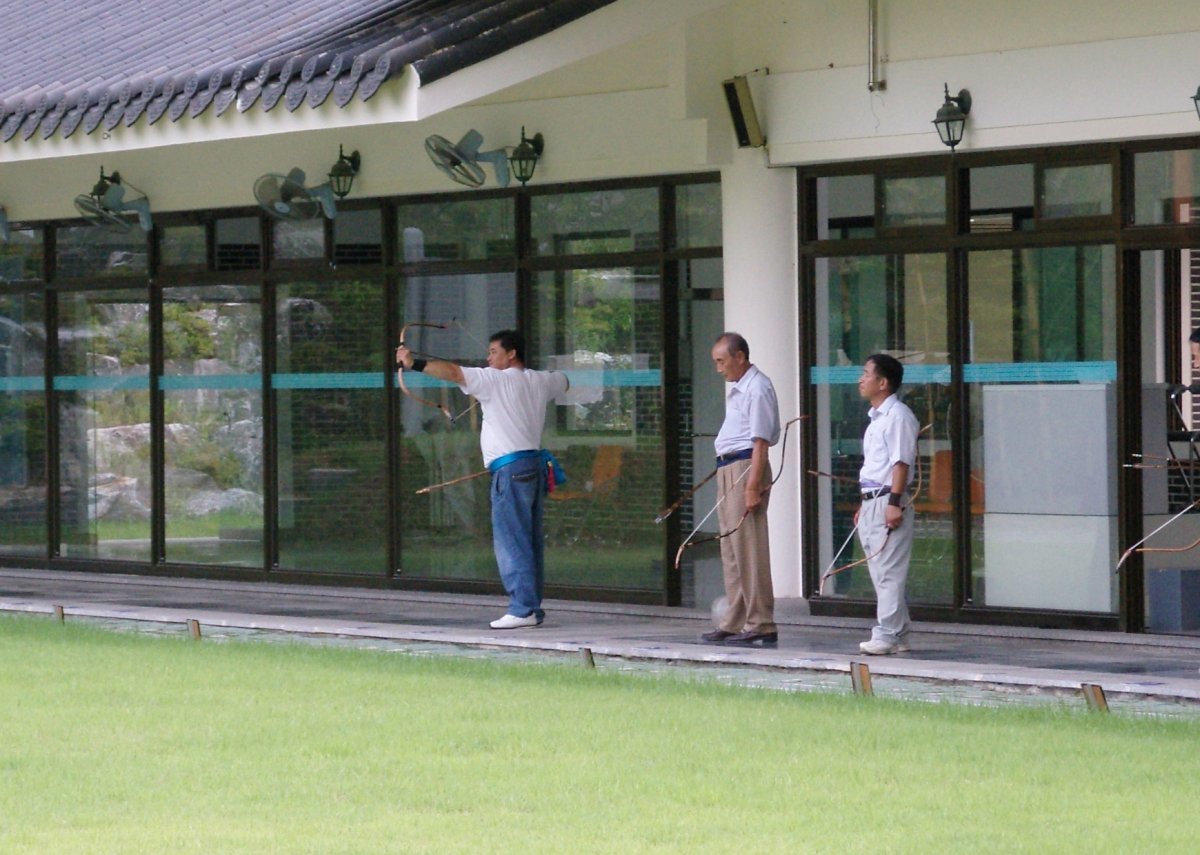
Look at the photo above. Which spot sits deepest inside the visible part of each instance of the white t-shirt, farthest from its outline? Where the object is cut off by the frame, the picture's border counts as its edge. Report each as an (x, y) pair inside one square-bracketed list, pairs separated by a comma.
[(514, 406)]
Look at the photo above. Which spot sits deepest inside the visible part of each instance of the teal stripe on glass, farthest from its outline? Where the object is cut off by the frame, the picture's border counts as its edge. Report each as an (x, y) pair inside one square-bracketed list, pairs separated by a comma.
[(1041, 372), (579, 379), (22, 384), (173, 382), (834, 375), (82, 383), (349, 380)]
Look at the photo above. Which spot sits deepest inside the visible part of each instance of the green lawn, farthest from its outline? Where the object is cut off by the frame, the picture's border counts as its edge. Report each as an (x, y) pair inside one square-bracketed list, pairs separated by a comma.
[(118, 743)]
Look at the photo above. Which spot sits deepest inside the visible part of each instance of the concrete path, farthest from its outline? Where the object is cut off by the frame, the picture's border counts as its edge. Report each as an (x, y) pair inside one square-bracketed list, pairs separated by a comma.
[(999, 659)]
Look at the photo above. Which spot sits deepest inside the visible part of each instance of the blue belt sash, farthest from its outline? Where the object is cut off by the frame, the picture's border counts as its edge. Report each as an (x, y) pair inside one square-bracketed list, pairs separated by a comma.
[(554, 471)]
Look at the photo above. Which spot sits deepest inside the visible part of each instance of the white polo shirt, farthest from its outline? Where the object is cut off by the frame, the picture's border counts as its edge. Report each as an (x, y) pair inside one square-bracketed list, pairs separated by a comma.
[(891, 438), (514, 406), (751, 412)]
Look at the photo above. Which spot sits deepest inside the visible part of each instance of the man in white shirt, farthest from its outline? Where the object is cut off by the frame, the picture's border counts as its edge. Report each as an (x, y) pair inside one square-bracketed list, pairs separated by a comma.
[(751, 426), (885, 523), (514, 400)]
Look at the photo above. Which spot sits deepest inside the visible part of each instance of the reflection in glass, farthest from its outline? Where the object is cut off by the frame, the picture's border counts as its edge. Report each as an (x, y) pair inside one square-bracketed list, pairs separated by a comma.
[(22, 424), (103, 399), (21, 256), (919, 201), (604, 328), (212, 400), (329, 403), (1165, 186), (895, 305), (1042, 420), (294, 239), (446, 534), (1077, 191), (183, 246), (603, 221), (106, 252), (456, 230), (698, 215)]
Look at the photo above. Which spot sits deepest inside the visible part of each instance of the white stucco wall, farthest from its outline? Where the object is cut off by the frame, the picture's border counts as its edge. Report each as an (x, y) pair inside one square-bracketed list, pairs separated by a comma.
[(758, 223)]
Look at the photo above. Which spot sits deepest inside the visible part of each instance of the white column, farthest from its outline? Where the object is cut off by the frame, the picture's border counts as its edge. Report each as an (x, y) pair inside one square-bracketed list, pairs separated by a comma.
[(759, 239)]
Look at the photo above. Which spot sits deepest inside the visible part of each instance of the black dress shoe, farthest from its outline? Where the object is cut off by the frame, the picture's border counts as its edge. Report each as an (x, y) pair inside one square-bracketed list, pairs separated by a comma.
[(717, 636), (754, 639)]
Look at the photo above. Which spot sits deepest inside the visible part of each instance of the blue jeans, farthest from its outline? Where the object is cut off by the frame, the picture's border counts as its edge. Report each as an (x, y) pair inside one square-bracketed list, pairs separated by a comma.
[(518, 500)]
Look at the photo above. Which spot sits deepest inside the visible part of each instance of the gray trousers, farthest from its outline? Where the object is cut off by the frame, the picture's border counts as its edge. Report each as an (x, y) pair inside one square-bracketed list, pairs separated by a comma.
[(889, 569)]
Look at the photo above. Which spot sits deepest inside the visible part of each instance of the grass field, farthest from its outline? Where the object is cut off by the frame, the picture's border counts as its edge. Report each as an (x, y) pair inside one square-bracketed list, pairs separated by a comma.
[(118, 743)]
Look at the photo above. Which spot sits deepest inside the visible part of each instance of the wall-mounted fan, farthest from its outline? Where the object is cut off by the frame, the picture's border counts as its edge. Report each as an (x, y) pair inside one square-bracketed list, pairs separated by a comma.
[(286, 198), (106, 205), (461, 162)]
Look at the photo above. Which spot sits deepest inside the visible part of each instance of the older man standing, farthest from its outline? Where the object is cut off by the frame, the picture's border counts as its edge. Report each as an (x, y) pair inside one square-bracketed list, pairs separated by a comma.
[(751, 426)]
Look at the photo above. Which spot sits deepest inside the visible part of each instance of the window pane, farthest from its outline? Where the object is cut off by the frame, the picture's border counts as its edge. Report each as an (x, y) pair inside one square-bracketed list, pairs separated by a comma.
[(184, 245), (603, 326), (299, 238), (330, 416), (457, 230), (698, 215), (239, 243), (846, 207), (911, 202), (1077, 191), (102, 392), (84, 251), (1165, 186), (21, 256), (1002, 198), (447, 534), (22, 424), (895, 305), (603, 221), (358, 237), (212, 397), (1042, 362)]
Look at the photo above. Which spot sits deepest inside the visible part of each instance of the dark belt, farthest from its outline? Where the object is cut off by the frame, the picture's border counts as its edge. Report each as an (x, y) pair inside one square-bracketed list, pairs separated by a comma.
[(734, 457), (876, 494)]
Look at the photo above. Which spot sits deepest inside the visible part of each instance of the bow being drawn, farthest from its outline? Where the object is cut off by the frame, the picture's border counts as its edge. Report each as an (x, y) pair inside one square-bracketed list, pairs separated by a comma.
[(441, 408)]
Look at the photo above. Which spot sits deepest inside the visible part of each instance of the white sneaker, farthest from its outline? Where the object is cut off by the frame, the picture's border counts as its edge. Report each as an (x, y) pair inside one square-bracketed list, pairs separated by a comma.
[(514, 622), (876, 647)]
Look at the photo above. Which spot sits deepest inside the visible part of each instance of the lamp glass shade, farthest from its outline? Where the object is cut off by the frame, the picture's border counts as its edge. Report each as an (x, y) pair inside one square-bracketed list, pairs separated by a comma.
[(524, 161), (949, 123), (341, 179)]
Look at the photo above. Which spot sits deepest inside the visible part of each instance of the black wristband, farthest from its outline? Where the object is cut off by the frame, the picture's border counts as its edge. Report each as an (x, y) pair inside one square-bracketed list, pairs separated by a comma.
[(418, 365), (894, 499)]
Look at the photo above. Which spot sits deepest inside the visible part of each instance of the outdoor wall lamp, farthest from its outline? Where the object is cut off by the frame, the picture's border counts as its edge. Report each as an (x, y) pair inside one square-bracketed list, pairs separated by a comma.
[(952, 116), (341, 174), (524, 158), (1196, 100)]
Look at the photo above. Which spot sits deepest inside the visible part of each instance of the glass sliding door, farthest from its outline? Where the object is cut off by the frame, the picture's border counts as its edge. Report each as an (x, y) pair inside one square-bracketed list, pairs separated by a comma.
[(446, 533), (23, 424), (894, 304), (102, 391), (1041, 385), (328, 387), (213, 432), (603, 326)]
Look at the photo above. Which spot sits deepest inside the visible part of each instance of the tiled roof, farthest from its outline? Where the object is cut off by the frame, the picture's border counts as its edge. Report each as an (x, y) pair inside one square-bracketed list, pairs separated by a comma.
[(69, 66)]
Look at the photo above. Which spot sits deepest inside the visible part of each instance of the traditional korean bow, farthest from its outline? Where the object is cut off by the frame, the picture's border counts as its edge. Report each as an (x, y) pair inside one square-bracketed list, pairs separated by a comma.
[(687, 541), (442, 408)]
